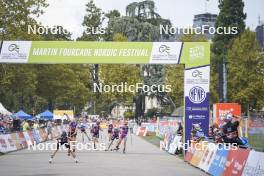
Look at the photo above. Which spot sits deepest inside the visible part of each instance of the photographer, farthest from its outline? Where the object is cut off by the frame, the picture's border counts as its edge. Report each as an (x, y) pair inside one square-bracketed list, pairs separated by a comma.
[(230, 129), (180, 129)]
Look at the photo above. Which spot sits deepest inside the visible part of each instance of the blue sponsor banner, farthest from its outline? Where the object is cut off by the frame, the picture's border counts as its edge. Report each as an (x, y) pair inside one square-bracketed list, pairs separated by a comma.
[(197, 96), (218, 165), (152, 127), (166, 129), (196, 114)]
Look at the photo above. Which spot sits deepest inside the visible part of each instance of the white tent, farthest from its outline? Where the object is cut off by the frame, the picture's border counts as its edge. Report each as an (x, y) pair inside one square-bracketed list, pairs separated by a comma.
[(4, 111)]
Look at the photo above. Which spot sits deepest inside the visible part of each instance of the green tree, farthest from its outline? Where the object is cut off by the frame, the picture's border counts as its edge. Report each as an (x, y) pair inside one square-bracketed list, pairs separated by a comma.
[(17, 15), (112, 16), (64, 91), (245, 73), (141, 22), (18, 86), (115, 75), (129, 115), (231, 15), (151, 112), (93, 19), (119, 37), (65, 35), (192, 37), (18, 83), (175, 78)]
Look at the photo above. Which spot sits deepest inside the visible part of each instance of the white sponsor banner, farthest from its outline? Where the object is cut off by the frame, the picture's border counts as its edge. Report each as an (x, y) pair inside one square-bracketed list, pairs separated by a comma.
[(11, 145), (208, 157), (3, 144), (199, 78), (6, 143), (36, 136), (39, 136), (255, 164), (165, 52), (15, 51), (26, 135), (142, 131), (175, 144)]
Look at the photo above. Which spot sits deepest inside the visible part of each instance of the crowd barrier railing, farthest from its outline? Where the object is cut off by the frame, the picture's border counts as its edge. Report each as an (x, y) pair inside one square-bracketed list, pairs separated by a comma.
[(20, 140), (215, 159)]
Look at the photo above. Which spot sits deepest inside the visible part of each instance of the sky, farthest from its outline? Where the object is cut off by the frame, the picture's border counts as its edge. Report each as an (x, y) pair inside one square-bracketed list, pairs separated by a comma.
[(70, 13)]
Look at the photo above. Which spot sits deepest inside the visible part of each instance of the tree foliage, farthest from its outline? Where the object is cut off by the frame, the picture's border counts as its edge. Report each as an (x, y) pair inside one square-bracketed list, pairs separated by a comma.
[(93, 19), (141, 22), (34, 88), (245, 72), (175, 78), (17, 15), (129, 115), (231, 15)]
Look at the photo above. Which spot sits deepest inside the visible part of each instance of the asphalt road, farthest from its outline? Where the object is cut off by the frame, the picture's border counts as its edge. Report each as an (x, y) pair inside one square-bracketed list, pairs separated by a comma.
[(141, 158)]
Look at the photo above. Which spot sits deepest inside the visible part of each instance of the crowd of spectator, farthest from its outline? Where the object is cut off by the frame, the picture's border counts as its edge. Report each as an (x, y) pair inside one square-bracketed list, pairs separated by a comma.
[(9, 124)]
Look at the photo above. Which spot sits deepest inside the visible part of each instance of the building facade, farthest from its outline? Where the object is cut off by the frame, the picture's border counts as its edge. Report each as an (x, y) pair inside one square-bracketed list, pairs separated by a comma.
[(260, 35), (207, 20)]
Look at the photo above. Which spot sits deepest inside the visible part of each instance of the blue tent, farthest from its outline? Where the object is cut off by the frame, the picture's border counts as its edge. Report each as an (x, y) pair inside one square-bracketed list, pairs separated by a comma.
[(46, 115), (21, 114)]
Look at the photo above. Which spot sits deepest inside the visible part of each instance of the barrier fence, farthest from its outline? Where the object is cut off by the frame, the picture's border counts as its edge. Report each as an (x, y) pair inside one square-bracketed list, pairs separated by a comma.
[(20, 140), (215, 160), (218, 161)]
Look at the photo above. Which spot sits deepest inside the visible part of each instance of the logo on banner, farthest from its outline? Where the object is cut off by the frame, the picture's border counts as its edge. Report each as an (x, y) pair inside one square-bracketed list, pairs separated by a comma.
[(13, 48), (197, 94), (197, 52), (164, 49), (165, 52), (197, 74), (15, 51)]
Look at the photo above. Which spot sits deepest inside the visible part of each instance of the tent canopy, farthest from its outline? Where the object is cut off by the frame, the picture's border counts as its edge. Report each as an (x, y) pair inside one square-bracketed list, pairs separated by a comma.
[(21, 114), (46, 115), (4, 111), (178, 112)]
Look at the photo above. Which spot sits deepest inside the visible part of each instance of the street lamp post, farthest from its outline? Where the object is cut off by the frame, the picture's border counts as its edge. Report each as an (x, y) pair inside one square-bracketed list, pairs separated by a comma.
[(225, 81)]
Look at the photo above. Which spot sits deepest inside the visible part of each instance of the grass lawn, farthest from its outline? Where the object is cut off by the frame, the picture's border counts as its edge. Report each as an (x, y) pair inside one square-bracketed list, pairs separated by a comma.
[(153, 139), (256, 141)]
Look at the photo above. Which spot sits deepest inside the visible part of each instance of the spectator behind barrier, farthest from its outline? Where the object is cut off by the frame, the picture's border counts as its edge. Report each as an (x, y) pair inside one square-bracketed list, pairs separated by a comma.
[(230, 129), (25, 126), (180, 129)]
